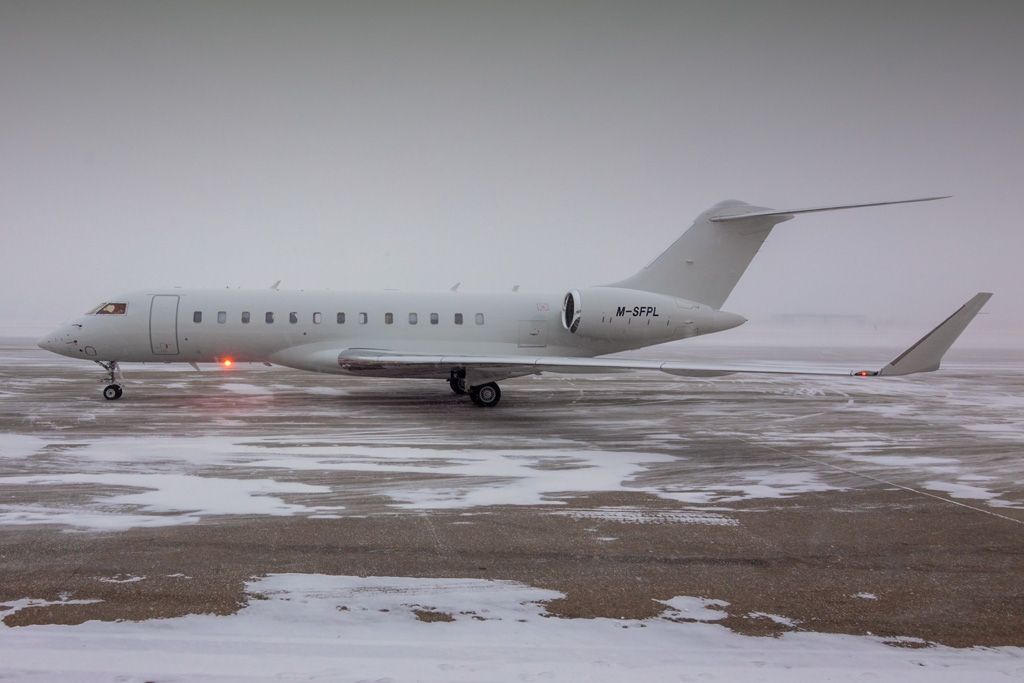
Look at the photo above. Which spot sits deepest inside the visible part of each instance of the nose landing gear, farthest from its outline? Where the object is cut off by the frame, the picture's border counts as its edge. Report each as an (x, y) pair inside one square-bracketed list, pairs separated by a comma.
[(112, 391)]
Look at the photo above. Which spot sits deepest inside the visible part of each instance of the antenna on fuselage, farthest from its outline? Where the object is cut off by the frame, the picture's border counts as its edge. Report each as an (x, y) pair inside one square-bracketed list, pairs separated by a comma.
[(455, 287), (515, 288), (275, 285)]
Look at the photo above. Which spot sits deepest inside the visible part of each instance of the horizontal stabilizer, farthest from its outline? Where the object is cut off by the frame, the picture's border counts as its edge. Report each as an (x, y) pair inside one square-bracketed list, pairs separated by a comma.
[(926, 354), (705, 262), (814, 209)]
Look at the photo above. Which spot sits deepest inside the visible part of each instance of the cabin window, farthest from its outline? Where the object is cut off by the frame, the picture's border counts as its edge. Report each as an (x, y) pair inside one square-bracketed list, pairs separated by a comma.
[(433, 318), (363, 318), (413, 318), (197, 317), (479, 318), (110, 309), (293, 317), (317, 317), (245, 317), (270, 317), (222, 317), (458, 318), (389, 318), (341, 318)]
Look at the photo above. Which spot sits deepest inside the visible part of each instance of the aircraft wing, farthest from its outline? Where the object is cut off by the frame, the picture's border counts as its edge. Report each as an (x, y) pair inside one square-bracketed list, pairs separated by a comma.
[(924, 356), (372, 361)]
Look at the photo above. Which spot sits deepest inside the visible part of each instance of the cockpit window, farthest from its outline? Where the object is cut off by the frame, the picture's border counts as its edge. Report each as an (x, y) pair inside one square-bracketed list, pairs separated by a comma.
[(109, 309)]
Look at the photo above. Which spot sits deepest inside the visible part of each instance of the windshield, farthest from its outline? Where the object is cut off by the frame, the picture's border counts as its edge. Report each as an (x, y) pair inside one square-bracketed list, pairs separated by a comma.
[(109, 309)]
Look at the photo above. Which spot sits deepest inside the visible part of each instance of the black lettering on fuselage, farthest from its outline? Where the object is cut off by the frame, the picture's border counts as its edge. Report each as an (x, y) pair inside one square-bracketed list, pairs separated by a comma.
[(637, 311)]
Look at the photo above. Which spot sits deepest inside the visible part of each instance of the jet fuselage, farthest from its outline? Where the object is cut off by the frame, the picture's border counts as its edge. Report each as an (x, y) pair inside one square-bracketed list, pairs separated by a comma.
[(286, 327)]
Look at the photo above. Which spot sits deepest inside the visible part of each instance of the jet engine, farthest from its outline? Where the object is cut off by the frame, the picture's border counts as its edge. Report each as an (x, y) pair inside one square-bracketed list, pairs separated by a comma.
[(572, 311)]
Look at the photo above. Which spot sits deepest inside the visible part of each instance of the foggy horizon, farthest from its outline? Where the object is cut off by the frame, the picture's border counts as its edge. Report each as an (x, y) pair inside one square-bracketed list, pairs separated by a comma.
[(547, 145)]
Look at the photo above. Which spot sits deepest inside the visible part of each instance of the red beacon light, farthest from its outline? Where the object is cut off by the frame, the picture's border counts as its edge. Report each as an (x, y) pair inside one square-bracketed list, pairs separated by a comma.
[(865, 373), (227, 362)]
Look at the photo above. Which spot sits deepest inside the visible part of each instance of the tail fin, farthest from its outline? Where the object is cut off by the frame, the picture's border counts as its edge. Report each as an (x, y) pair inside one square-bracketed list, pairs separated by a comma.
[(707, 261)]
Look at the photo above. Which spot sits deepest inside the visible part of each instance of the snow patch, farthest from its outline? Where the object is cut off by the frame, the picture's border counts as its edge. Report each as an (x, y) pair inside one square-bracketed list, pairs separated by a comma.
[(10, 607), (697, 609), (170, 498), (246, 389), (20, 445), (120, 578), (969, 492), (762, 485), (904, 460), (780, 620), (329, 628)]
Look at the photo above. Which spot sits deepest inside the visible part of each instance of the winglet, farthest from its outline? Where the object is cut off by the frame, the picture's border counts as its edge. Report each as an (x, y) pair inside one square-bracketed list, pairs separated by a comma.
[(926, 354)]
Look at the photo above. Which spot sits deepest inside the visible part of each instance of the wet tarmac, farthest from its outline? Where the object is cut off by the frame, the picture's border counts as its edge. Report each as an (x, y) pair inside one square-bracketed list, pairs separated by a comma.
[(859, 506)]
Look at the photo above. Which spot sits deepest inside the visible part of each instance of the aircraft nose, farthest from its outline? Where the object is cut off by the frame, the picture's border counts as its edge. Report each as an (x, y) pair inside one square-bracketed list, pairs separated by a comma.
[(56, 341), (48, 343)]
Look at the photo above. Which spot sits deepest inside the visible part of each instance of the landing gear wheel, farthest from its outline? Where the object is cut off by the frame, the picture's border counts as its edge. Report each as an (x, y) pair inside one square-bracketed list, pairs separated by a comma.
[(112, 391), (485, 395), (458, 385)]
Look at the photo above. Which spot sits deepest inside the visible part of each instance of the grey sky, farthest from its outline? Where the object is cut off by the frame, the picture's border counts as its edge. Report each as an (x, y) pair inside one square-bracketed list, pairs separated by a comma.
[(551, 144)]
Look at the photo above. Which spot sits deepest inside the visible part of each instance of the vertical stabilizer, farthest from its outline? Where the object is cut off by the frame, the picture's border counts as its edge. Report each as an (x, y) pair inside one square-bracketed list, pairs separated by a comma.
[(707, 261)]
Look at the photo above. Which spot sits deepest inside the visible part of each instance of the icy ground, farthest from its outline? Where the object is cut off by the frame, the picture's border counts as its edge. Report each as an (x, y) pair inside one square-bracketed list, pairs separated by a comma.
[(165, 480), (181, 446), (344, 628), (187, 449), (160, 480)]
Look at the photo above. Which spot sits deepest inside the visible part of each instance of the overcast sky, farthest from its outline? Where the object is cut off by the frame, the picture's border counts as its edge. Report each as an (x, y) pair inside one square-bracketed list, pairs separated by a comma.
[(550, 144)]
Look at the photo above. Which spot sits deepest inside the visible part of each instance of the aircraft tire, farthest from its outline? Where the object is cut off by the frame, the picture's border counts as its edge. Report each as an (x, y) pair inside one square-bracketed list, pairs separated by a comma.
[(486, 395), (112, 392)]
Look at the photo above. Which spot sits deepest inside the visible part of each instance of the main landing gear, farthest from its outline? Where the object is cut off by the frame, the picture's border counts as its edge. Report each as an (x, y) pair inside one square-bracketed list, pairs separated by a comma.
[(483, 395), (112, 391), (458, 385)]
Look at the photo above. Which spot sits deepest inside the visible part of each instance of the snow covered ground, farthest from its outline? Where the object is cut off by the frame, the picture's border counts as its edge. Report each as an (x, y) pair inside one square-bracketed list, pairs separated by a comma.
[(185, 450), (344, 628), (164, 484), (160, 480)]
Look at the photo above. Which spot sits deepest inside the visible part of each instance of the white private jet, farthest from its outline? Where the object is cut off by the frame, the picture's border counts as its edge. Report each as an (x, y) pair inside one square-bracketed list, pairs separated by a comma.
[(470, 340)]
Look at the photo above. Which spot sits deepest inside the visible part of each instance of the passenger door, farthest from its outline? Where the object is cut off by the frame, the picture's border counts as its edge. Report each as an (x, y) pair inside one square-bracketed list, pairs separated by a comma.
[(163, 325)]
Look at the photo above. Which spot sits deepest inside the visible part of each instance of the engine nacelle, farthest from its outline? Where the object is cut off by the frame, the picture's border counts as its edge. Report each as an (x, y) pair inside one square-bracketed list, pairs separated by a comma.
[(614, 313), (572, 311)]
